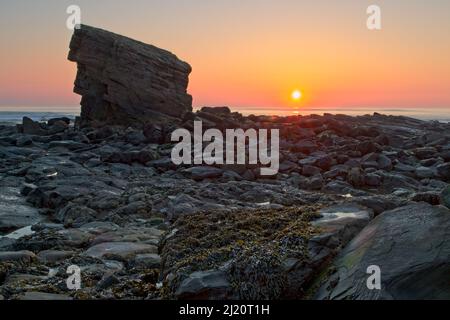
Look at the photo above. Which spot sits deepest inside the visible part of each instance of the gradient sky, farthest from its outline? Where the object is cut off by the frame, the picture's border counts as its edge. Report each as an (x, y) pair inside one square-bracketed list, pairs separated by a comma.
[(245, 53)]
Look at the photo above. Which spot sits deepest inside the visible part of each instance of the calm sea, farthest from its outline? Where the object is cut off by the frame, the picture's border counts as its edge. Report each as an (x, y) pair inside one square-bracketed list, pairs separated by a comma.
[(13, 117), (440, 114)]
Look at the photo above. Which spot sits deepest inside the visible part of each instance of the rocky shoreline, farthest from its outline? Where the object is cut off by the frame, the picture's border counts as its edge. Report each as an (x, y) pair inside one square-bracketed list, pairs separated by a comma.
[(110, 201), (102, 194)]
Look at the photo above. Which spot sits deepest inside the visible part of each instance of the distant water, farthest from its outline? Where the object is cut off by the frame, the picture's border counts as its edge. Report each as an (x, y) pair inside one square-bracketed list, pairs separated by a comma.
[(14, 117), (439, 114)]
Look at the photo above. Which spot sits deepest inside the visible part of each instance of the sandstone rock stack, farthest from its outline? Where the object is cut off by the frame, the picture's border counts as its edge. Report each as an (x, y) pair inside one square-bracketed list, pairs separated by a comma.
[(127, 82)]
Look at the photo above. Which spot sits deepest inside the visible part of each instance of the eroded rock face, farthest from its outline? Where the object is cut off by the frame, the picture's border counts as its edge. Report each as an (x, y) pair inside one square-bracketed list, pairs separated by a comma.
[(123, 81), (410, 246)]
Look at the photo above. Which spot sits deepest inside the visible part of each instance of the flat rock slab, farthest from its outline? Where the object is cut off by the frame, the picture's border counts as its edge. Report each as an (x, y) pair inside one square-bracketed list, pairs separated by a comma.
[(15, 213), (53, 256), (17, 256), (410, 245), (147, 235), (121, 249), (204, 172)]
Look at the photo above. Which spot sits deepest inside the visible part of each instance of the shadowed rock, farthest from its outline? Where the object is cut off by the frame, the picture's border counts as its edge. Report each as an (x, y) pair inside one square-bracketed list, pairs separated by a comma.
[(410, 246), (123, 81)]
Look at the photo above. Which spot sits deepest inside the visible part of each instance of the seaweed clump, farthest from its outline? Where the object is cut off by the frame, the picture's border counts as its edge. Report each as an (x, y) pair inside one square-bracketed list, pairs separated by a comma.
[(252, 246)]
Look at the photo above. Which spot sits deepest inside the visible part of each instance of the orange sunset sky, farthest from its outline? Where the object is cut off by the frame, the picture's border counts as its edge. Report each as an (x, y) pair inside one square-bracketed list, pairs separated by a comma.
[(246, 53)]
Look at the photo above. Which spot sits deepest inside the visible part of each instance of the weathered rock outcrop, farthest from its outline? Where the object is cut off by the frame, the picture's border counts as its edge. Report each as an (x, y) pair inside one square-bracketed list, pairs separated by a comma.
[(409, 244), (111, 201), (123, 81)]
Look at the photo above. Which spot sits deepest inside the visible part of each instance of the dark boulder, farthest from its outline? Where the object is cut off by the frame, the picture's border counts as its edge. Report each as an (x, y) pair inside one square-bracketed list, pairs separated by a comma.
[(444, 171), (409, 246), (32, 127)]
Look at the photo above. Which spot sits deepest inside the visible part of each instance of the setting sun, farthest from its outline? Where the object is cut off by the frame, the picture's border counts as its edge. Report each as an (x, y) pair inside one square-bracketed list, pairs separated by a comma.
[(296, 95)]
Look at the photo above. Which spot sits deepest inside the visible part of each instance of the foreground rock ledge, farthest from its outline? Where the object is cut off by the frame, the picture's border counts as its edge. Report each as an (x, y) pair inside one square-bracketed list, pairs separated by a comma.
[(127, 82), (409, 244)]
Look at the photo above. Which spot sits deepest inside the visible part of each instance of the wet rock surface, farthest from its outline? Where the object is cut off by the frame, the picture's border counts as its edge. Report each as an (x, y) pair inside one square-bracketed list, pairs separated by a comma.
[(110, 201), (409, 244), (114, 204)]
